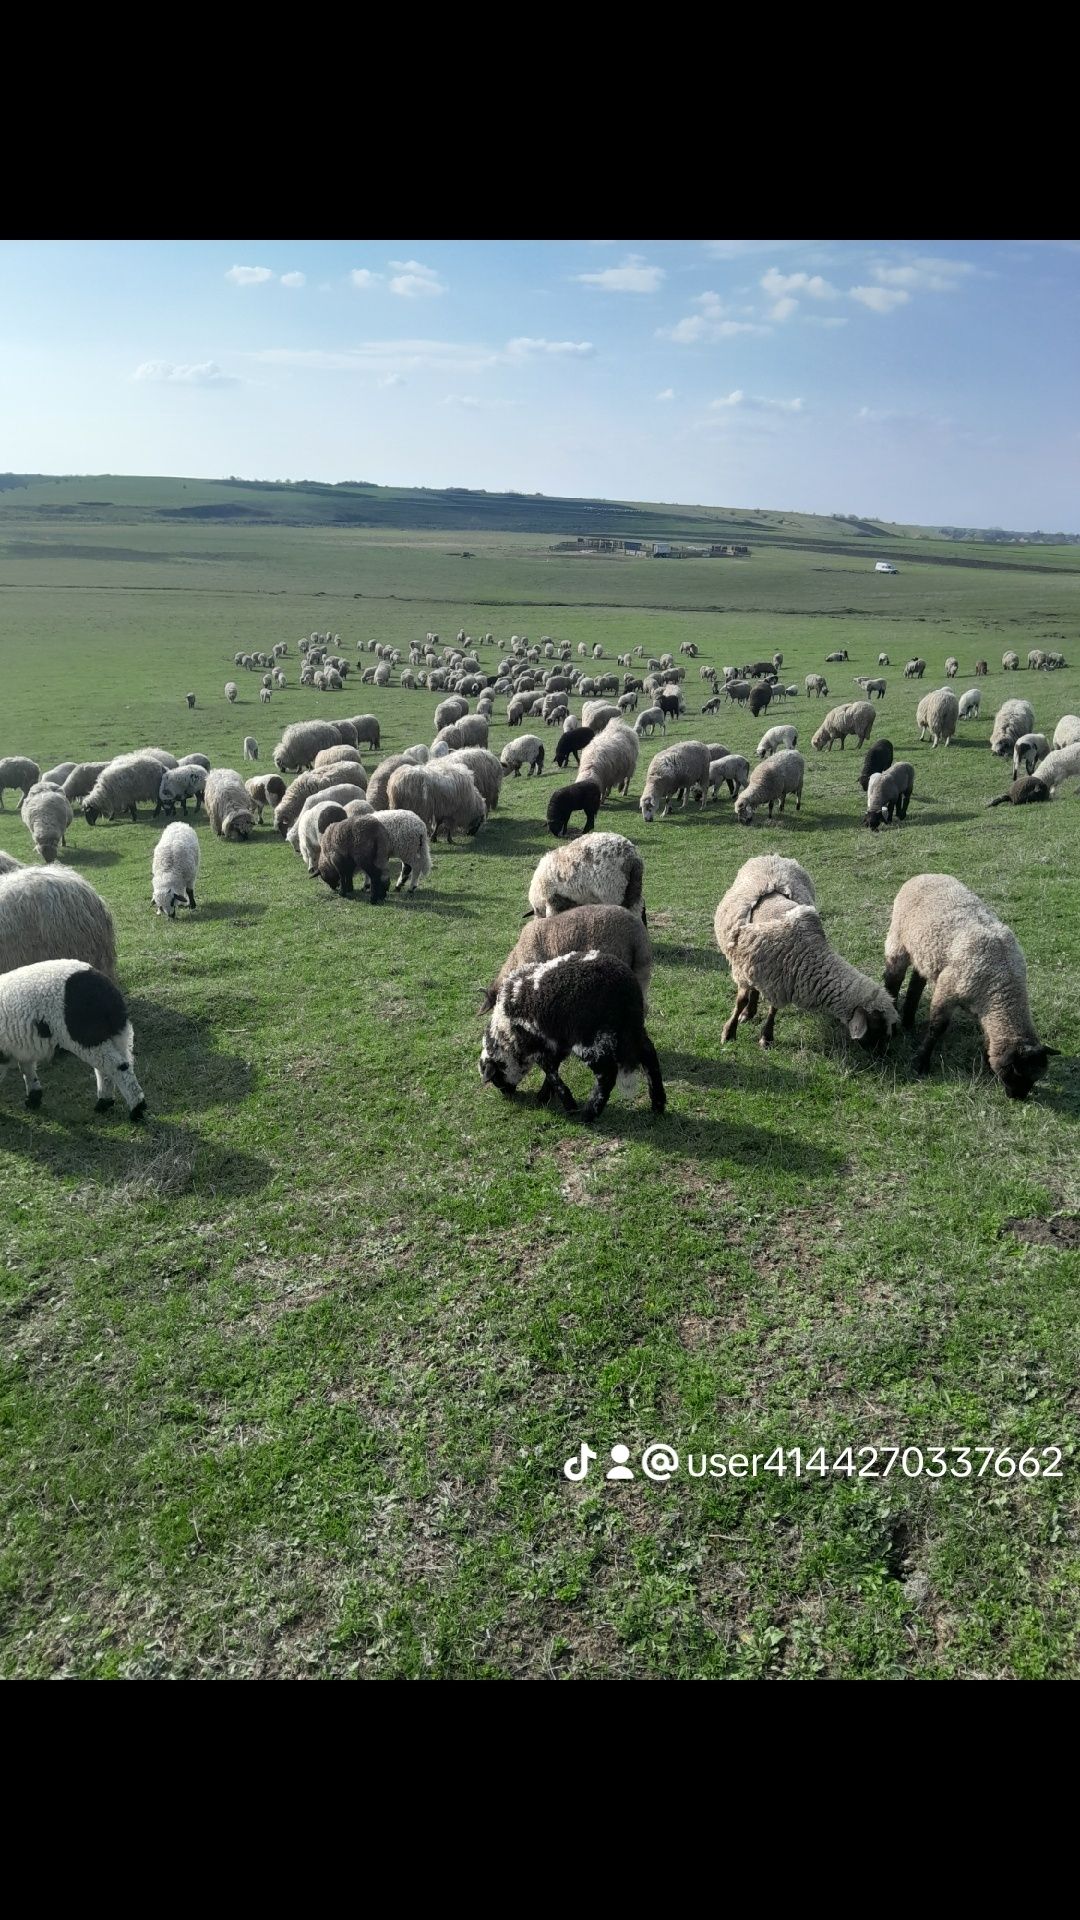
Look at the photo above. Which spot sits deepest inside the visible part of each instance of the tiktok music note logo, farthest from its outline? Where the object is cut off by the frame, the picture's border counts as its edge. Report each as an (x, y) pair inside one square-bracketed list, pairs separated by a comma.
[(577, 1466)]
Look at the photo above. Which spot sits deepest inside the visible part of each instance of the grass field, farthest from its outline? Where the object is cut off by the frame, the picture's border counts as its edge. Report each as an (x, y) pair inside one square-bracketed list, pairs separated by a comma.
[(290, 1374)]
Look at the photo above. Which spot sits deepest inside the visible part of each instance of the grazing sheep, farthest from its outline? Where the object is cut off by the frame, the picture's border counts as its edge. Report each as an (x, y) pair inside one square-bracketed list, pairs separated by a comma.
[(1063, 764), (57, 775), (1067, 731), (122, 783), (598, 868), (610, 759), (597, 713), (190, 698), (855, 719), (407, 841), (9, 864), (653, 717), (194, 760), (586, 1004), (815, 684), (874, 688), (611, 930), (883, 660), (970, 702), (302, 741), (1022, 793), (47, 816), (19, 774), (309, 829), (841, 654), (878, 757), (768, 928), (952, 667), (50, 913), (889, 794), (730, 770), (173, 869), (472, 731), (357, 844), (65, 1003), (183, 784), (772, 780), (583, 797), (982, 667), (573, 741), (711, 706), (671, 703), (228, 804), (937, 715), (527, 750), (447, 711), (674, 771), (949, 937), (1010, 662), (776, 740), (231, 691), (330, 757), (341, 795), (82, 779), (1013, 718), (445, 797), (486, 771), (760, 698), (1028, 751), (1036, 659), (266, 790), (265, 696)]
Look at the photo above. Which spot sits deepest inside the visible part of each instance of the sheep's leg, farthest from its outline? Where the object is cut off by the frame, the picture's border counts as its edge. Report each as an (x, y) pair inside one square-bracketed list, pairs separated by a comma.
[(191, 896), (657, 1095), (607, 1072), (753, 997), (766, 1039), (105, 1093), (554, 1079), (896, 965), (738, 1012), (911, 999), (940, 1014), (31, 1082)]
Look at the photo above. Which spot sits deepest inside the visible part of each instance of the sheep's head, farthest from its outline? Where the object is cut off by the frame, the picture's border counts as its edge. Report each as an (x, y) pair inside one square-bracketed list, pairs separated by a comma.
[(1020, 1066), (744, 811), (499, 1065), (91, 814), (872, 1025), (647, 804)]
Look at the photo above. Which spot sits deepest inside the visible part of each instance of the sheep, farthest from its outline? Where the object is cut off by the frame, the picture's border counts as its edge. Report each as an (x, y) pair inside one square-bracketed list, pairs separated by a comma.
[(266, 790), (674, 771), (597, 713), (183, 784), (194, 760), (840, 654), (1023, 791), (878, 757), (470, 732), (231, 691), (330, 757), (18, 773), (1063, 764), (711, 706), (173, 869), (310, 826), (302, 741), (610, 759), (772, 780), (952, 667), (572, 741), (65, 1003), (407, 841), (82, 779), (1028, 751), (444, 797), (9, 864), (815, 685), (190, 698), (949, 937), (889, 794), (883, 660), (760, 698), (587, 1004), (527, 750), (119, 787), (597, 868), (50, 913), (876, 688), (228, 804), (937, 715), (159, 754), (343, 796), (486, 770), (357, 844), (1036, 659), (1067, 731), (856, 719), (653, 717), (47, 816), (1013, 718), (611, 930), (447, 711), (671, 703), (265, 696), (970, 702), (380, 779), (982, 667), (1010, 662), (57, 775), (768, 928), (583, 796), (776, 739)]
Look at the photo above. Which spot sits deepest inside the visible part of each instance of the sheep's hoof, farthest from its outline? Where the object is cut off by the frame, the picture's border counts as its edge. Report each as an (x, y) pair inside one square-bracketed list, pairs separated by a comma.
[(139, 1112), (766, 1041), (34, 1099), (103, 1105)]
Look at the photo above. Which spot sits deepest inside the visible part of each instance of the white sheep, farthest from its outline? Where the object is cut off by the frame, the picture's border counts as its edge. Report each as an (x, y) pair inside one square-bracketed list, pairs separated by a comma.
[(776, 740), (671, 772), (82, 780), (231, 691), (1067, 731), (57, 775), (302, 741), (600, 868), (174, 869), (51, 913), (610, 759), (445, 797), (486, 770), (527, 750), (407, 838), (1013, 718), (18, 773), (731, 770), (855, 718), (318, 815), (970, 702), (119, 787), (229, 806), (1028, 751), (769, 781), (47, 815), (65, 1003), (937, 714), (1061, 765), (183, 784), (648, 721)]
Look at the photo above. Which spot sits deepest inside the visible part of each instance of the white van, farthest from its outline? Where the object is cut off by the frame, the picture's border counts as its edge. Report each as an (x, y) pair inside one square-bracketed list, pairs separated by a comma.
[(885, 566)]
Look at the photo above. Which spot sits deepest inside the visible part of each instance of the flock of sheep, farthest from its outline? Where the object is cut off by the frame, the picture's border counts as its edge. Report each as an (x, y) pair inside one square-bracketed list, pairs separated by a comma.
[(577, 980)]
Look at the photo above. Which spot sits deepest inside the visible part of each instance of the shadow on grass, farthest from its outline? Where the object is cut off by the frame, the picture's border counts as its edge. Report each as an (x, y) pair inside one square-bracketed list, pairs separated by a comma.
[(706, 961), (697, 1137), (183, 1060), (89, 856), (738, 1066), (226, 910), (151, 1161)]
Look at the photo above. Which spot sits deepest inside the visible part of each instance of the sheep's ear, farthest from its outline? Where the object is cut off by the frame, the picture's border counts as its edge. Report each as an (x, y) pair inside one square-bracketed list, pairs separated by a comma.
[(1052, 1053), (858, 1024)]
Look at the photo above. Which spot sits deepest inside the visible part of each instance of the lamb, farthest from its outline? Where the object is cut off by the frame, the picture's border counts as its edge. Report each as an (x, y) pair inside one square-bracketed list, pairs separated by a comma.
[(776, 739), (231, 691), (1063, 764), (302, 741), (310, 827), (888, 794), (407, 841), (856, 718), (572, 741), (674, 771), (949, 937), (82, 779), (357, 844), (610, 759), (583, 797), (604, 869), (51, 913), (190, 698), (57, 775), (815, 684), (266, 790), (768, 928), (1067, 731), (841, 654), (878, 757), (952, 667), (1028, 751), (611, 930), (760, 697), (486, 770), (653, 717), (937, 714), (878, 688), (1013, 718), (1010, 662), (970, 702), (173, 869), (883, 660), (711, 706), (47, 815), (65, 1003), (527, 750), (1022, 793), (772, 780), (730, 770), (444, 797), (447, 711), (265, 696), (228, 804), (121, 784), (183, 784), (587, 1004), (18, 773)]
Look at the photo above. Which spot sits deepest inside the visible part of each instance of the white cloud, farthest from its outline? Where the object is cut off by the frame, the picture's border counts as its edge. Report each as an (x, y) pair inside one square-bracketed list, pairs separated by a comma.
[(386, 356), (248, 276), (925, 275), (294, 279), (756, 402), (779, 285), (733, 399), (469, 400), (392, 380), (710, 324), (634, 276), (363, 278), (881, 299), (666, 393), (784, 309), (413, 281), (163, 372), (823, 320), (525, 348)]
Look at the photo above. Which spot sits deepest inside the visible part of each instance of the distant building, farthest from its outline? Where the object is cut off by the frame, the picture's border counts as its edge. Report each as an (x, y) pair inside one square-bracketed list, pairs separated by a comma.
[(661, 550)]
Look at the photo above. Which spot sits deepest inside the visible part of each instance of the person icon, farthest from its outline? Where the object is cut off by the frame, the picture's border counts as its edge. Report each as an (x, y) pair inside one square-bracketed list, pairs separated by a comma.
[(620, 1471)]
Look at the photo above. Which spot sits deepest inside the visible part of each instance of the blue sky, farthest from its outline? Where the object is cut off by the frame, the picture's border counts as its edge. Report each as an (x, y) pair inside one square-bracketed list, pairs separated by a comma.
[(925, 381)]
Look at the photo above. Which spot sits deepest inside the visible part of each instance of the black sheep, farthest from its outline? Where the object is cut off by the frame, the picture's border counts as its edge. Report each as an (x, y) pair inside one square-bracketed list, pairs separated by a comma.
[(357, 844), (670, 705), (582, 797), (586, 1004), (1022, 793), (760, 697), (879, 757), (573, 741)]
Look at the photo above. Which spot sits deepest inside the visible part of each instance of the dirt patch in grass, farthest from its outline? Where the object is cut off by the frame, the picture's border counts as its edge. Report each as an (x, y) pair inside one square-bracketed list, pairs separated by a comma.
[(1062, 1232), (580, 1160)]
